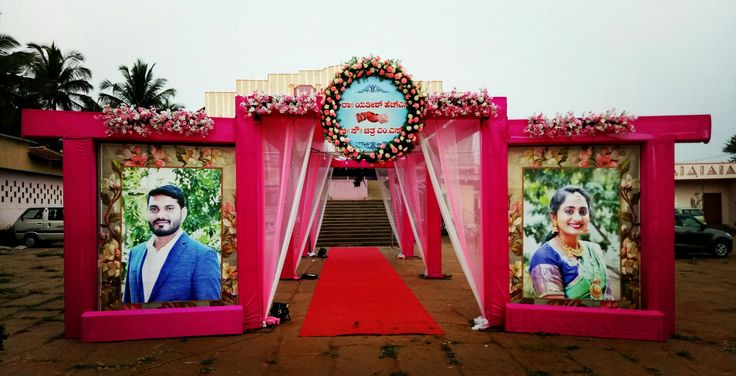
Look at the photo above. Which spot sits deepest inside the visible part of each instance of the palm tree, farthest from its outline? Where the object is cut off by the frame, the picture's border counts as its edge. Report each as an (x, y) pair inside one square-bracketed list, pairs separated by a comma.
[(60, 80), (14, 85), (140, 88)]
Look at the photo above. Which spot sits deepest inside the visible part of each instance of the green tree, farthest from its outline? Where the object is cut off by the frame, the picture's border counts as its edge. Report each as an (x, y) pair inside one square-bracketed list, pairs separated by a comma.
[(730, 148), (59, 80), (140, 88), (602, 184), (202, 188), (13, 84)]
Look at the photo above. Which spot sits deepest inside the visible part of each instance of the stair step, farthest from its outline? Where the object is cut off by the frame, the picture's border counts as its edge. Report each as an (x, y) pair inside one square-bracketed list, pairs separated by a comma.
[(355, 223)]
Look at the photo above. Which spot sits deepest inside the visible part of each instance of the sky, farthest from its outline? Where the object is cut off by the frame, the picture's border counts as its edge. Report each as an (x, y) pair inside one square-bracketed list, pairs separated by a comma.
[(671, 57)]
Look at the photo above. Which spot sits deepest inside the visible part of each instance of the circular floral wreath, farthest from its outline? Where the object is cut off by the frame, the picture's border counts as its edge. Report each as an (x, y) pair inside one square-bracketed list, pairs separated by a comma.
[(358, 68)]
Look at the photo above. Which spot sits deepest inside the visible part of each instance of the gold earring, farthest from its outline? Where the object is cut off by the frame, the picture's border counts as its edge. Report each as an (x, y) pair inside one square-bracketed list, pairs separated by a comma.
[(554, 227)]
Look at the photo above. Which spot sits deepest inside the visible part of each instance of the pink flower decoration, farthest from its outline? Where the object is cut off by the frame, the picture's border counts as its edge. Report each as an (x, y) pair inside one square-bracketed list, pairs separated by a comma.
[(143, 121), (590, 124)]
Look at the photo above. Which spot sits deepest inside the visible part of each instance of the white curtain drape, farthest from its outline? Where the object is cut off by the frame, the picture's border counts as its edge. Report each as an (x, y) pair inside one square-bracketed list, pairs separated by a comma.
[(452, 152), (411, 172), (286, 145), (382, 176)]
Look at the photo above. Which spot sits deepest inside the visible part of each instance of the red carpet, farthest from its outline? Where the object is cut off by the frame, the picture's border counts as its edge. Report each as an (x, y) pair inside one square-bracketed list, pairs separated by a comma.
[(359, 293)]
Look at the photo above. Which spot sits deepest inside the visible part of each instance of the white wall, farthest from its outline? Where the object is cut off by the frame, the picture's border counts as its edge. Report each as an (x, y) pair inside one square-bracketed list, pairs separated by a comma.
[(686, 189), (345, 190), (19, 191)]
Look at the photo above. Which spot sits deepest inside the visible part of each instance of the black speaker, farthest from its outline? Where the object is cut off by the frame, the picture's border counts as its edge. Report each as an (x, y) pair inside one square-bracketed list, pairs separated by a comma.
[(280, 310)]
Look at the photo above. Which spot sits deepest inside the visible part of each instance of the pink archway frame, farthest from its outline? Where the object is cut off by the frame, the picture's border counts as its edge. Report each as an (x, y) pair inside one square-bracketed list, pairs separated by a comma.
[(656, 136), (81, 131)]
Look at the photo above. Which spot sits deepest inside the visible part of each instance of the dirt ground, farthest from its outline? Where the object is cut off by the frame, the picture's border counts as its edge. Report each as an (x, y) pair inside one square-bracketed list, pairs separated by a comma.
[(31, 309)]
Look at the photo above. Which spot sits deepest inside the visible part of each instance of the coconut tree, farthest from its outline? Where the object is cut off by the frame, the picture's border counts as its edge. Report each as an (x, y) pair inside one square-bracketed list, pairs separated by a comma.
[(140, 88), (13, 84), (59, 79)]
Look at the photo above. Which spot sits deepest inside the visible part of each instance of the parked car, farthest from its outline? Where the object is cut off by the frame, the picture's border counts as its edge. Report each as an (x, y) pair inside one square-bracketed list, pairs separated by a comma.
[(692, 235), (695, 212), (40, 224)]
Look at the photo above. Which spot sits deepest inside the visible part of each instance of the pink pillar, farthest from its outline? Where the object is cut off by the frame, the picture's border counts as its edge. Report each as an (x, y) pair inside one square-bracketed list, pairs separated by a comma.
[(80, 234), (407, 236), (409, 199), (249, 204), (292, 253), (657, 206), (432, 233), (494, 214)]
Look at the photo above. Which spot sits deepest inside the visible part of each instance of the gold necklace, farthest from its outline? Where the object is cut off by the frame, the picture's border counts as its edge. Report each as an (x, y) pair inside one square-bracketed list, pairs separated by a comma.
[(570, 251)]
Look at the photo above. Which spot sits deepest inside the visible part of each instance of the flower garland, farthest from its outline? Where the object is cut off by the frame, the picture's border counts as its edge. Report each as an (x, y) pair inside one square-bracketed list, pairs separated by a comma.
[(455, 104), (144, 121), (362, 67), (259, 103), (590, 124)]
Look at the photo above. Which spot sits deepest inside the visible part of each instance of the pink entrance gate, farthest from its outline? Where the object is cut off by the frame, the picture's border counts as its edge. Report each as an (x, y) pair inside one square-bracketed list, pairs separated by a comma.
[(275, 210)]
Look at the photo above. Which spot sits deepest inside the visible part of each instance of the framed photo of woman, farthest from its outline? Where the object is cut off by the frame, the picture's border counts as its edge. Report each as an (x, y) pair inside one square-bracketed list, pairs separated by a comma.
[(574, 225)]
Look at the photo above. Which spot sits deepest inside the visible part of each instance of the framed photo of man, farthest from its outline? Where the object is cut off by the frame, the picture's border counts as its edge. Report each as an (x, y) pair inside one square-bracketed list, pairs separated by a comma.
[(167, 226), (574, 228)]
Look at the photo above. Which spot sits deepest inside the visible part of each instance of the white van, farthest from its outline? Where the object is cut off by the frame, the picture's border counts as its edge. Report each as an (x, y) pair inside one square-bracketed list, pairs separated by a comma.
[(40, 224)]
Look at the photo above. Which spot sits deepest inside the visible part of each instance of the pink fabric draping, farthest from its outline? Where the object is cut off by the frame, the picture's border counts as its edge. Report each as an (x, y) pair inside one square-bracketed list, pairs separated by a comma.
[(452, 150), (324, 174), (320, 171), (317, 171), (390, 200), (285, 156), (319, 212), (411, 172)]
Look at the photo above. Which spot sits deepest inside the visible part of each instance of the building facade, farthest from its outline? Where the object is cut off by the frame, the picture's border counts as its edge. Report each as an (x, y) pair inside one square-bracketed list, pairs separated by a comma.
[(304, 82), (710, 187), (30, 175)]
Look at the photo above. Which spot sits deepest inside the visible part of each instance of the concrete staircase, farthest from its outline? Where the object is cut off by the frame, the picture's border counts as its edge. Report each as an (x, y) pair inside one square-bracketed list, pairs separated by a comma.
[(355, 223)]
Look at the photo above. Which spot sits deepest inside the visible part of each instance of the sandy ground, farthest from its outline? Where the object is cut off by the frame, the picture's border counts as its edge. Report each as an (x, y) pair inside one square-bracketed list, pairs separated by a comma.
[(31, 309)]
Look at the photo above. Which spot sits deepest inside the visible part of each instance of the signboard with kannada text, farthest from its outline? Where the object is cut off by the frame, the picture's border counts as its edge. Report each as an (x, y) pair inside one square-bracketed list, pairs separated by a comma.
[(372, 111)]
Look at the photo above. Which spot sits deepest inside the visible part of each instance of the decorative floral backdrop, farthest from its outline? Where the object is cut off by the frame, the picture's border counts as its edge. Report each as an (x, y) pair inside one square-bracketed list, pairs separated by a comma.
[(114, 159), (625, 161)]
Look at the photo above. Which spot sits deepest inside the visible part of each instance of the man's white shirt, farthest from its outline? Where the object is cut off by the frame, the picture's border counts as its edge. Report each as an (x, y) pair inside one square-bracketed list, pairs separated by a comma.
[(154, 262)]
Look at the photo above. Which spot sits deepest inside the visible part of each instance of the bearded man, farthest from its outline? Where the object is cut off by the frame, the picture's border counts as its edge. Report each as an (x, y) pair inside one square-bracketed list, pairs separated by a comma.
[(170, 266)]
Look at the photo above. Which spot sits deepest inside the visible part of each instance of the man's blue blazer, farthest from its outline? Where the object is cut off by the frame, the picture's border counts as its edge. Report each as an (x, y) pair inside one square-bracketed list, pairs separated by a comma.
[(191, 272)]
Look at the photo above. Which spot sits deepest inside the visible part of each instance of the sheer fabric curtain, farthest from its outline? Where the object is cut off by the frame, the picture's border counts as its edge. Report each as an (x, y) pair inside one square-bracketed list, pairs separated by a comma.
[(411, 172), (388, 200), (452, 152), (286, 145), (319, 211), (324, 173)]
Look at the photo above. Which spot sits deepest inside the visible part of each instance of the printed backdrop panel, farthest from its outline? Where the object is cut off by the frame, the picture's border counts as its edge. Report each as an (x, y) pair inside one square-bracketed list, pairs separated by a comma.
[(559, 194), (205, 176)]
